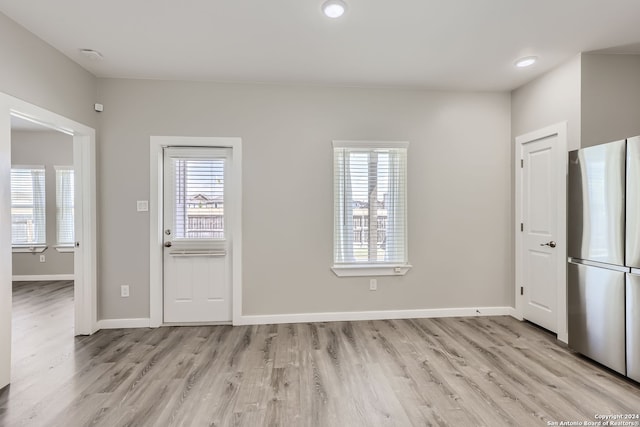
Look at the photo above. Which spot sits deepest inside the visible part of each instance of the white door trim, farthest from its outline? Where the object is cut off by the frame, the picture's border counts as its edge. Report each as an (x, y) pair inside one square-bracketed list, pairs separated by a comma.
[(85, 289), (156, 212), (559, 130)]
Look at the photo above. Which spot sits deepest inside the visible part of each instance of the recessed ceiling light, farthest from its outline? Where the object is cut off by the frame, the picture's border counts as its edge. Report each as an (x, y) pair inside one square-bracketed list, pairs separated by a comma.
[(94, 55), (526, 61), (334, 8)]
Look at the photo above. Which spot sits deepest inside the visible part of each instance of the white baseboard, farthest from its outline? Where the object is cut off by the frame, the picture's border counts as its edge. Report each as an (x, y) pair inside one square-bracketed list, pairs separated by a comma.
[(374, 315), (123, 323), (42, 277), (333, 316)]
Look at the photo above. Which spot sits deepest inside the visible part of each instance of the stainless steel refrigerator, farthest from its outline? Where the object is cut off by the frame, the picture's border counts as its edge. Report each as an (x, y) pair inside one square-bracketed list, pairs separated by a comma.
[(604, 254)]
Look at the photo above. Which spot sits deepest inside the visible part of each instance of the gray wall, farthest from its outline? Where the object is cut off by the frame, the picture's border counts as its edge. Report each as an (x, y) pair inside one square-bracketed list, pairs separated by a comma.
[(551, 98), (37, 73), (459, 190), (597, 94), (49, 149), (459, 163), (610, 97)]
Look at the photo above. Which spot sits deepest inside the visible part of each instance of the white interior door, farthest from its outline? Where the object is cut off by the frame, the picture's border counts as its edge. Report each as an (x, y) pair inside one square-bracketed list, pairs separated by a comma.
[(197, 273), (541, 249)]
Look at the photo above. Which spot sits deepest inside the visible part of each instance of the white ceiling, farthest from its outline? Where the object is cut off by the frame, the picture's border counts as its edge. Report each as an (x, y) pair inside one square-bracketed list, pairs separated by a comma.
[(447, 44)]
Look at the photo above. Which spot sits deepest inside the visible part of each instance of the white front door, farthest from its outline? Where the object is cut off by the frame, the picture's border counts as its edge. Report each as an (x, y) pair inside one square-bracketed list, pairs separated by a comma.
[(542, 245), (197, 273)]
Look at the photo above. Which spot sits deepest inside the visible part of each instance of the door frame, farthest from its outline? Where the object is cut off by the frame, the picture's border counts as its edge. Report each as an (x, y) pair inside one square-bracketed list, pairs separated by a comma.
[(85, 261), (156, 220), (560, 131)]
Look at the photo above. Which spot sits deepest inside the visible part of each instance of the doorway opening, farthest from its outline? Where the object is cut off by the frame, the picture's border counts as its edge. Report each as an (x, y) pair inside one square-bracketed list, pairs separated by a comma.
[(42, 243), (83, 231)]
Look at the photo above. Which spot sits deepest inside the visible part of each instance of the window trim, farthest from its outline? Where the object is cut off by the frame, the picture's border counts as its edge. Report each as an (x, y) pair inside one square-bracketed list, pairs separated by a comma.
[(367, 269), (370, 145), (362, 269)]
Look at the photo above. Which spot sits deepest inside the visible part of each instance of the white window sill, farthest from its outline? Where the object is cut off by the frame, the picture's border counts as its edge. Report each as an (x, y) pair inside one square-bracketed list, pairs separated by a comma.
[(64, 248), (359, 270), (35, 249)]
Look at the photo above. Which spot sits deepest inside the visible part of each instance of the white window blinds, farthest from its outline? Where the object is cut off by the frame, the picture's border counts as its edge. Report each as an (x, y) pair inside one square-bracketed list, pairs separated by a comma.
[(370, 198), (199, 198), (28, 216), (64, 205)]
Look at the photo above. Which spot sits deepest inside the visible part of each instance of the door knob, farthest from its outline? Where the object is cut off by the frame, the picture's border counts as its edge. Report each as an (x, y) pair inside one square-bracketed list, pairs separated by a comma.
[(168, 244), (551, 244)]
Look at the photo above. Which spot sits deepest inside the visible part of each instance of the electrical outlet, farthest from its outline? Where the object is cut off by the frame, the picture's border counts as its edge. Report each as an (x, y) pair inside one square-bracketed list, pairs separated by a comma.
[(373, 285), (43, 258), (124, 291)]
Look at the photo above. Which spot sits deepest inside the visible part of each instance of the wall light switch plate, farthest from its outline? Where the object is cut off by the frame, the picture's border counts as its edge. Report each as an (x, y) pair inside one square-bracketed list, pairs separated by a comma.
[(143, 205), (124, 291), (43, 258)]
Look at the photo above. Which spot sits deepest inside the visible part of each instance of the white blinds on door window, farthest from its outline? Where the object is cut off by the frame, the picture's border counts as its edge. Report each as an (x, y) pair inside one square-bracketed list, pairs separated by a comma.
[(370, 181), (28, 216), (199, 198), (64, 205)]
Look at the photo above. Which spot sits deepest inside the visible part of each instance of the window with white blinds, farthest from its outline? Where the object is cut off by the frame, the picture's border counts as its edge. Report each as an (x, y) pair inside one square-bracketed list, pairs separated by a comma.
[(199, 198), (370, 203), (28, 216), (64, 205)]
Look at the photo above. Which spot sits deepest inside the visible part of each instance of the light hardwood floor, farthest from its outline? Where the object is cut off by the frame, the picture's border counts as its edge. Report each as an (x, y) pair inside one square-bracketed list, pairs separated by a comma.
[(490, 371)]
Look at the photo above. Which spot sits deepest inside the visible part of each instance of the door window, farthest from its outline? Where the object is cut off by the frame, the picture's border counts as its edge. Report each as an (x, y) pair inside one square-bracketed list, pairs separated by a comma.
[(199, 199)]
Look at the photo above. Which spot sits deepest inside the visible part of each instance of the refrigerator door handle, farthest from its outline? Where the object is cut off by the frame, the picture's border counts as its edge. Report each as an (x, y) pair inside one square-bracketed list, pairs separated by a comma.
[(633, 326), (632, 203)]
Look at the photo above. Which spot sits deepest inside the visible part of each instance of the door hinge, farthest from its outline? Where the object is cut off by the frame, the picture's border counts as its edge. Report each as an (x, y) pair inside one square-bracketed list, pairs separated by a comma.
[(521, 226), (521, 163), (521, 290)]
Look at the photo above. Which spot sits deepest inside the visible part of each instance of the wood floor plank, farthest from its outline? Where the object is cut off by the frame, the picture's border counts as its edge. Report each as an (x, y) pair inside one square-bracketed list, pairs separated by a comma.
[(473, 371), (485, 355)]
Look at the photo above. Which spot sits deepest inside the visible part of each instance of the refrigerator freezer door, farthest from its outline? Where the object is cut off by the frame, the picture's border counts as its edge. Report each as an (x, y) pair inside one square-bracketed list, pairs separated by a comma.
[(597, 314), (633, 326), (632, 253), (596, 203)]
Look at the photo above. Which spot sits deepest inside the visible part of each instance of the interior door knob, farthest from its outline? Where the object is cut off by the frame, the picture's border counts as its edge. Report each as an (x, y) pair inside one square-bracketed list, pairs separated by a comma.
[(168, 244), (551, 244)]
